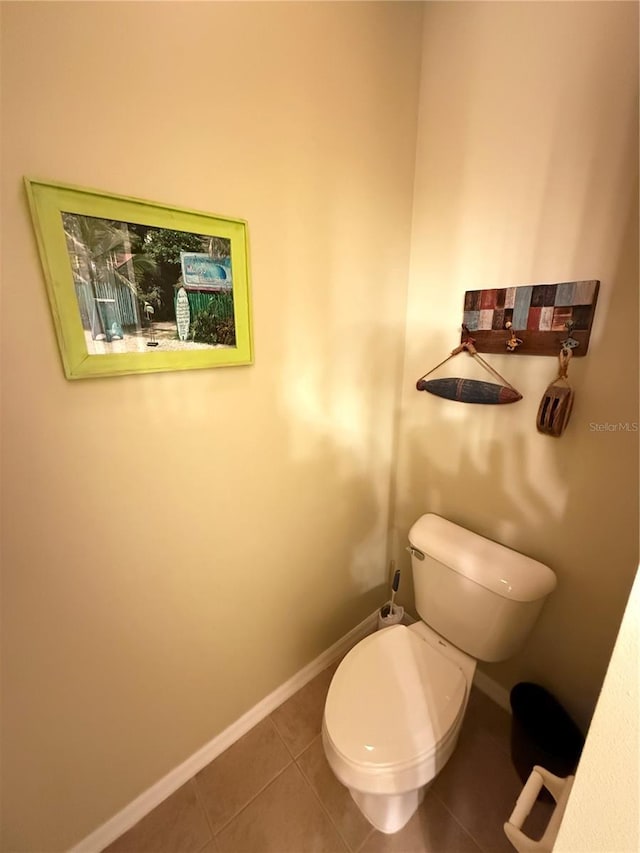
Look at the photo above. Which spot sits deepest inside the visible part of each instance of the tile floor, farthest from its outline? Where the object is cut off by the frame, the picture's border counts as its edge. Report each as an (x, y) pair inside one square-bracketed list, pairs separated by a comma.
[(273, 792)]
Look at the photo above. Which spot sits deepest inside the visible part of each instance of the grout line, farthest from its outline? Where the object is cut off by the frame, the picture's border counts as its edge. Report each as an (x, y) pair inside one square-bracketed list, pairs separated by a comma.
[(201, 803), (292, 760), (459, 822), (366, 838), (249, 802), (210, 841), (318, 798), (279, 734), (200, 795)]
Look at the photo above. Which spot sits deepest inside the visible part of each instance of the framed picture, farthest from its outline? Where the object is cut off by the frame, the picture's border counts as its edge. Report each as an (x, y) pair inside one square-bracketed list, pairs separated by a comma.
[(136, 286)]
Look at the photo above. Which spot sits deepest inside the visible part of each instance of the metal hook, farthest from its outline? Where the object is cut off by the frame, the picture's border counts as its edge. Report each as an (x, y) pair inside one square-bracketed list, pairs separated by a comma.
[(513, 342), (570, 342), (467, 335)]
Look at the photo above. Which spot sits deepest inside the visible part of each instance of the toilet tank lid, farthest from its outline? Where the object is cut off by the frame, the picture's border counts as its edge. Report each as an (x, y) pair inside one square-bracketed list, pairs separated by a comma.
[(500, 569)]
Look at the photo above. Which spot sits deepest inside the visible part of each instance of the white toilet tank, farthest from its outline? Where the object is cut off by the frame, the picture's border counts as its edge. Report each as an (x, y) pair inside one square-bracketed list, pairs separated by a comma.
[(481, 596)]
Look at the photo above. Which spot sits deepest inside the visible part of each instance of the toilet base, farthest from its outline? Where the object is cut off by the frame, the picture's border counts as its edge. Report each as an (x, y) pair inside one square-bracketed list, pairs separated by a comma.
[(389, 812)]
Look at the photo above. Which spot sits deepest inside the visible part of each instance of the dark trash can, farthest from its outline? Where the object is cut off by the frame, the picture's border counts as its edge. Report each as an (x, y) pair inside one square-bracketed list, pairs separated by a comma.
[(542, 732)]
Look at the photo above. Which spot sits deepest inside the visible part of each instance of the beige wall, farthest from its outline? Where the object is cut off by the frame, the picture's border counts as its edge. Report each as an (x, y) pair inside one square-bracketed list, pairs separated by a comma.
[(527, 172), (178, 545)]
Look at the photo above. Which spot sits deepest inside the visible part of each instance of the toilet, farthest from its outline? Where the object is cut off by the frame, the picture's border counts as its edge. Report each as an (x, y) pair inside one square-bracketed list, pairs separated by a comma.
[(397, 700)]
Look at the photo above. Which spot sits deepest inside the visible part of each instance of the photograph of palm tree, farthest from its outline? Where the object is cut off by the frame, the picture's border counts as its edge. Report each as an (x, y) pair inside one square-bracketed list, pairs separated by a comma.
[(141, 288)]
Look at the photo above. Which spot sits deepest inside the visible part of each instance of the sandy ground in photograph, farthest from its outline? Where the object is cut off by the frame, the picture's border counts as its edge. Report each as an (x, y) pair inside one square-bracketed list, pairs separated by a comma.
[(163, 333)]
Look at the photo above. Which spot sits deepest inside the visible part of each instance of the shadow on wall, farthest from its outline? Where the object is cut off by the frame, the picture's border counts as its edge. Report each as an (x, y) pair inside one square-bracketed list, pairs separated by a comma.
[(339, 545), (324, 560), (544, 190), (570, 503), (336, 420)]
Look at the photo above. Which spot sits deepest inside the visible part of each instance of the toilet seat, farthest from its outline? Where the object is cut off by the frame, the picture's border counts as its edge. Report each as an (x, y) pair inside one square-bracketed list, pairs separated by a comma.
[(393, 712)]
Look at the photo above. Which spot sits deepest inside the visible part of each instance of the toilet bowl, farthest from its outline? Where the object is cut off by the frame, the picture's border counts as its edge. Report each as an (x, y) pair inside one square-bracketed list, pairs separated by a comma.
[(392, 718), (397, 701)]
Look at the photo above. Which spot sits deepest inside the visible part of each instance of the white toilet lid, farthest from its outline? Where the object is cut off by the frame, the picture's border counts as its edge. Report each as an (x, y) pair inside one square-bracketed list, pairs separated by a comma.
[(393, 699)]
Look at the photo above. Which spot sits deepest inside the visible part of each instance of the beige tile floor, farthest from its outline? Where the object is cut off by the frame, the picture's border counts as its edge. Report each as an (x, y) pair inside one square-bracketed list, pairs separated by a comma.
[(273, 792)]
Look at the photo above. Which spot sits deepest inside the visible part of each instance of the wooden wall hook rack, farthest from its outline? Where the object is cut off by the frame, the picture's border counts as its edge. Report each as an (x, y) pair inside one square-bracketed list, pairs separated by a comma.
[(531, 319)]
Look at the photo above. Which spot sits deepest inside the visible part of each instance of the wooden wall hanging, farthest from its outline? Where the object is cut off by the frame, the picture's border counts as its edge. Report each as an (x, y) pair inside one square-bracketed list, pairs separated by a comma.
[(557, 401), (537, 319)]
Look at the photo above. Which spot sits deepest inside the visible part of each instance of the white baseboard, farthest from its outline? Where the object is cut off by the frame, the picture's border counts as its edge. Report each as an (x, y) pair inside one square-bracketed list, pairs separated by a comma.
[(153, 796), (157, 793), (492, 689)]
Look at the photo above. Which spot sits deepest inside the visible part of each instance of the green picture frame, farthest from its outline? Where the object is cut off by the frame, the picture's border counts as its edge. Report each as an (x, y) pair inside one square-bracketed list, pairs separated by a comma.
[(139, 287)]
